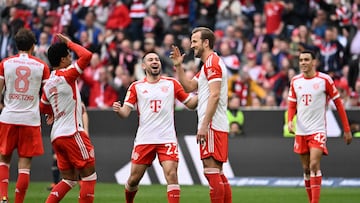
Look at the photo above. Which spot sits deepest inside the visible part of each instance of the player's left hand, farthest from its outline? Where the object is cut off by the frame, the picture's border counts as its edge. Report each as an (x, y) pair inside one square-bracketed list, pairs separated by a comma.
[(347, 137)]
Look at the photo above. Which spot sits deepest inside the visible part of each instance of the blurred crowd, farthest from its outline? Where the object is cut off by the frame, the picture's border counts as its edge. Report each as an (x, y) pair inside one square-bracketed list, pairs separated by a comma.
[(258, 40)]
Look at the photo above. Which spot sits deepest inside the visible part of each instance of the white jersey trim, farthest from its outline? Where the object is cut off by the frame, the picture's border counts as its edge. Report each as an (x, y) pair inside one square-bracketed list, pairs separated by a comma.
[(336, 96), (187, 99), (44, 102), (292, 99), (215, 80), (129, 104), (81, 145), (78, 68)]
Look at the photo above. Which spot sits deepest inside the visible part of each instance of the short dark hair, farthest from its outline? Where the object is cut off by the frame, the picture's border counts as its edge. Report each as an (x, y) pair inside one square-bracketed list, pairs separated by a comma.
[(309, 52), (56, 52), (147, 53), (24, 39), (206, 33)]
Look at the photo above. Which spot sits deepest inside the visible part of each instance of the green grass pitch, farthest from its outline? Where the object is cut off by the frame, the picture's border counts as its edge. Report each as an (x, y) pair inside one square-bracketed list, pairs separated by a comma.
[(111, 192)]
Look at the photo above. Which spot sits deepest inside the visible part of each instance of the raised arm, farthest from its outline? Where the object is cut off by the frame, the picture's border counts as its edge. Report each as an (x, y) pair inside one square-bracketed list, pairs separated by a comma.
[(83, 54), (189, 84)]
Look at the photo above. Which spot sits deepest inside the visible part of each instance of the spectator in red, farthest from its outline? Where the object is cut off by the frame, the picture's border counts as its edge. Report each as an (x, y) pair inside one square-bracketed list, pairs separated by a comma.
[(238, 86), (119, 17), (273, 11), (178, 9), (89, 72), (102, 95)]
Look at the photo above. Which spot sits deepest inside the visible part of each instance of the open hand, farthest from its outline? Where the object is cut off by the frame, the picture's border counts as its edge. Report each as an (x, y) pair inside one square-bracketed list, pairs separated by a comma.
[(176, 56)]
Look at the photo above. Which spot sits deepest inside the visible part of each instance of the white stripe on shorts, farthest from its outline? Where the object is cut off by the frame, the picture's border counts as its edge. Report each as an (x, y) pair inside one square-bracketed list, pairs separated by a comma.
[(82, 146)]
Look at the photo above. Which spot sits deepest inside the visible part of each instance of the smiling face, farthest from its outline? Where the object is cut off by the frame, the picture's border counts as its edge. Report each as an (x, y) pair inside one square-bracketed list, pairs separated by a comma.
[(306, 64), (152, 64), (197, 44)]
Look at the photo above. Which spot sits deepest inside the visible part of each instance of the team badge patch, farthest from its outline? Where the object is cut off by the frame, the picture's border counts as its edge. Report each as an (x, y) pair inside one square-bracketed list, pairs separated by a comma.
[(164, 89)]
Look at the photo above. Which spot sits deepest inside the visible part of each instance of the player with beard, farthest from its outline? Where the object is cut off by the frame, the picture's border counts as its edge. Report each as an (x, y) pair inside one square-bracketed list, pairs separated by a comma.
[(213, 127), (154, 98)]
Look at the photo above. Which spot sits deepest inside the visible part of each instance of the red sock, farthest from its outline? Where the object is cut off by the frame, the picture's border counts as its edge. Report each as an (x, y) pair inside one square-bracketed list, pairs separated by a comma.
[(217, 190), (22, 184), (130, 196), (4, 179), (227, 187), (173, 193), (59, 191), (315, 183), (87, 191), (308, 189), (130, 193)]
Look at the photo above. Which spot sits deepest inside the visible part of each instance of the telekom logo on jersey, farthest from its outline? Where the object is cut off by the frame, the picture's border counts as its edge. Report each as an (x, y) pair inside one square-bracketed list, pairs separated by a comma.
[(155, 105), (306, 99)]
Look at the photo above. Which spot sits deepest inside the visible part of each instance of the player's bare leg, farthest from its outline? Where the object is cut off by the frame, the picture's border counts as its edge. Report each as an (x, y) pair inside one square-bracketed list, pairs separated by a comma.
[(131, 187), (305, 162), (173, 187), (212, 170)]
